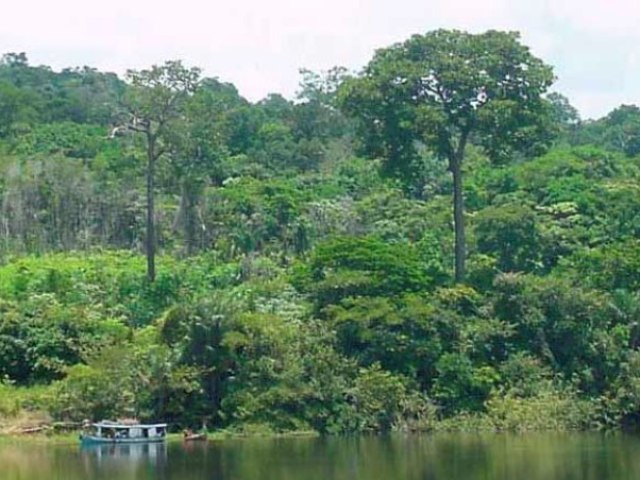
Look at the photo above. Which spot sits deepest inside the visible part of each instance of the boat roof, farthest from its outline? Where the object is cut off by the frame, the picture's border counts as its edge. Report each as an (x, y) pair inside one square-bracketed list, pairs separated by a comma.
[(107, 424)]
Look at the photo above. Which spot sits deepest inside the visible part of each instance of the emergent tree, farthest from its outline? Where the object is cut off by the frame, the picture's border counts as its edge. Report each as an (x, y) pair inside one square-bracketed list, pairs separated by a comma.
[(443, 90), (155, 106)]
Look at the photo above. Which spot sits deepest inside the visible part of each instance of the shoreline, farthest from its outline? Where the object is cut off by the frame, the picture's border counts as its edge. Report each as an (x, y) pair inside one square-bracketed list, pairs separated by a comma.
[(72, 438), (68, 439)]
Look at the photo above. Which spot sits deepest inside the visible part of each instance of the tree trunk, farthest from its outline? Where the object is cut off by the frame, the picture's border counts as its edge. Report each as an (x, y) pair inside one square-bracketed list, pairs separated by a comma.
[(190, 199), (456, 157), (458, 220), (151, 227)]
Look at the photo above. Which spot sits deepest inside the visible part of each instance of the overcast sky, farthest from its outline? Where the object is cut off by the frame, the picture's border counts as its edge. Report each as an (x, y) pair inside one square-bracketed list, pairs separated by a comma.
[(259, 45)]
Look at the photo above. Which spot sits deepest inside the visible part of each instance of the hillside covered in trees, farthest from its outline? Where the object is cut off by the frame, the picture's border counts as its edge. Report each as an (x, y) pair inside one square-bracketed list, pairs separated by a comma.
[(438, 241)]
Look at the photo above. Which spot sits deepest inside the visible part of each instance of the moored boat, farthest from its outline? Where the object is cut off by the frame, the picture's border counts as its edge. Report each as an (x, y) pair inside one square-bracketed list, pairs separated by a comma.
[(194, 437), (114, 432)]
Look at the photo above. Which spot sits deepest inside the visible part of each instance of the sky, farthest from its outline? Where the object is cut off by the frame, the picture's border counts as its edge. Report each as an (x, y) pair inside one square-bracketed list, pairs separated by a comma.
[(261, 45)]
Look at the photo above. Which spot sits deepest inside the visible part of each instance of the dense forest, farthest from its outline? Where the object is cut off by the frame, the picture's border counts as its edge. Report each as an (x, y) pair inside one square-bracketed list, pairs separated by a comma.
[(438, 241)]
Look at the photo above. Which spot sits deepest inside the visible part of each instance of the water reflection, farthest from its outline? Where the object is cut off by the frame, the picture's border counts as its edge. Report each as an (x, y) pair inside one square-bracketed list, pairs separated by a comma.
[(130, 457), (440, 457)]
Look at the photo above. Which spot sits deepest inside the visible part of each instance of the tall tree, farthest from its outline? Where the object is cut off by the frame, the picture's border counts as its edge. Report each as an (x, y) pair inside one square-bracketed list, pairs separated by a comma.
[(198, 151), (443, 90), (155, 104)]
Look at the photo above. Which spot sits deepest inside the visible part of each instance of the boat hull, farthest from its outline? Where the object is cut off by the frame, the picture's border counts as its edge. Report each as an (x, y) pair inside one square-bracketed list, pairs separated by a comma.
[(93, 440)]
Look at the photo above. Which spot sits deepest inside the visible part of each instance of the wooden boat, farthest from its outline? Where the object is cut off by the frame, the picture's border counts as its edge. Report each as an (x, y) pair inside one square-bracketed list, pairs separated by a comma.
[(194, 437), (113, 432)]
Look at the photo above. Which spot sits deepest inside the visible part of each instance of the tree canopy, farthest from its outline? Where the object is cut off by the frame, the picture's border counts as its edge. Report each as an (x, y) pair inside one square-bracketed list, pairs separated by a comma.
[(305, 246), (445, 89)]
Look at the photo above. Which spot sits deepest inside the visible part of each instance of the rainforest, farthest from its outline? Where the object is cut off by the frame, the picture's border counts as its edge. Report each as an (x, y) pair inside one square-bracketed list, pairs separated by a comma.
[(436, 242)]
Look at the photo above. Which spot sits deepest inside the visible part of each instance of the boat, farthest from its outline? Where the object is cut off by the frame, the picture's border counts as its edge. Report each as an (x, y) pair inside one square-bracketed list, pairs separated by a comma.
[(194, 437), (114, 432)]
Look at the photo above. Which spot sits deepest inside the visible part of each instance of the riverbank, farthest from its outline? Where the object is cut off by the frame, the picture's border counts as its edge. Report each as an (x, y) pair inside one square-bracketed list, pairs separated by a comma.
[(72, 438), (544, 412), (450, 426)]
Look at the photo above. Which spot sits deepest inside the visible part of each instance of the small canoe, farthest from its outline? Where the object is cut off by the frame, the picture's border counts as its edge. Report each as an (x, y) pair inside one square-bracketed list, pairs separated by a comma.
[(195, 437)]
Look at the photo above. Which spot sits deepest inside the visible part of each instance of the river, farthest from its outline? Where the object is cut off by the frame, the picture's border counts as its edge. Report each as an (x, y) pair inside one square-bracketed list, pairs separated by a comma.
[(569, 456)]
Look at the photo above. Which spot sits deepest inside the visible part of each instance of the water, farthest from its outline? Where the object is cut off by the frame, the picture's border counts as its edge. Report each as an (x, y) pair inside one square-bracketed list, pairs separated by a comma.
[(439, 457)]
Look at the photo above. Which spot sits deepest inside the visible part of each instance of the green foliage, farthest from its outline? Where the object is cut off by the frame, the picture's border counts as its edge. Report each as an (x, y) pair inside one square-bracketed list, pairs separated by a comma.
[(16, 401), (619, 130), (99, 391), (362, 266), (443, 90), (379, 399), (460, 385), (546, 410), (73, 140), (447, 81), (301, 286), (577, 332), (510, 233), (626, 393), (405, 336), (610, 267)]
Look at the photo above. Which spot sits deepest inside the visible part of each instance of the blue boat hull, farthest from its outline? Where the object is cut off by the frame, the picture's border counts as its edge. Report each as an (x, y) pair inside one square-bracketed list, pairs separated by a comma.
[(92, 440)]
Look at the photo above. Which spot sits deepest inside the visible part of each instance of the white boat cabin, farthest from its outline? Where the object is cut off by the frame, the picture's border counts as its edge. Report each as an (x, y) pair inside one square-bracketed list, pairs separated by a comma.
[(119, 431)]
